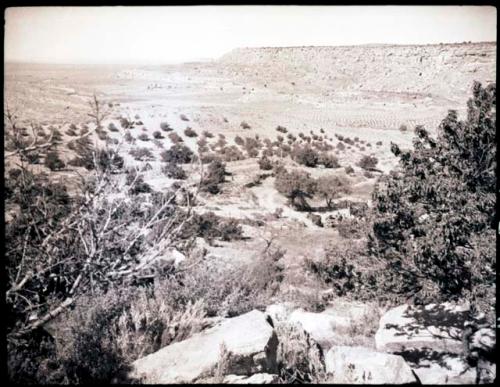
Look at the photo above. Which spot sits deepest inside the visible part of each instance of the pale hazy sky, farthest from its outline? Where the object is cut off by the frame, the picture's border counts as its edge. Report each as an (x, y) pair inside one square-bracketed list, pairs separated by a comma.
[(155, 35)]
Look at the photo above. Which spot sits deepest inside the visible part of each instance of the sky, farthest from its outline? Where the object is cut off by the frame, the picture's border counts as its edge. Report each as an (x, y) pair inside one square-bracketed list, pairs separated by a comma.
[(157, 35)]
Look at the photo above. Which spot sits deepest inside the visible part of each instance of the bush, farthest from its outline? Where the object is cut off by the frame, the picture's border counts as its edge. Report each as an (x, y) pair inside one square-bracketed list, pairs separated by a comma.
[(215, 176), (175, 138), (231, 153), (210, 226), (378, 143), (141, 154), (368, 162), (137, 183), (129, 138), (442, 201), (157, 134), (333, 187), (125, 123), (245, 125), (403, 128), (112, 127), (349, 170), (239, 141), (329, 161), (190, 132), (281, 129), (143, 137), (306, 156), (53, 162), (183, 117), (297, 186), (178, 154), (165, 127), (207, 134), (174, 171), (265, 164)]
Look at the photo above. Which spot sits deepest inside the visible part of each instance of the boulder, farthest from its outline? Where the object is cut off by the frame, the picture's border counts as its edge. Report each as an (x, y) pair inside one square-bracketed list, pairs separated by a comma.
[(447, 369), (437, 327), (249, 339), (254, 379), (361, 365), (279, 312), (334, 325)]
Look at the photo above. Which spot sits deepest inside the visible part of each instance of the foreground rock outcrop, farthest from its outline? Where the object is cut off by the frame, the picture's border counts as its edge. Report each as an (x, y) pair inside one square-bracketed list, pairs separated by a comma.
[(361, 365), (249, 339), (436, 327)]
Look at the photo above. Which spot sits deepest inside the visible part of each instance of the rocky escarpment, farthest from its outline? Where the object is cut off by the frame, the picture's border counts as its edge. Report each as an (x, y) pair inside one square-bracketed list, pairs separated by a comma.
[(440, 71)]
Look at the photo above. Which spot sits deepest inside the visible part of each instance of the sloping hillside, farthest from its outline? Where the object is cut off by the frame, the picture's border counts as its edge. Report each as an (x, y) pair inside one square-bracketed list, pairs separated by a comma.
[(443, 71)]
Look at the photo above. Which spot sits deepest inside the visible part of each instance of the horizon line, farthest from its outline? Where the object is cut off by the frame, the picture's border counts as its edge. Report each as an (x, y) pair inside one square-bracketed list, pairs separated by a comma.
[(201, 60)]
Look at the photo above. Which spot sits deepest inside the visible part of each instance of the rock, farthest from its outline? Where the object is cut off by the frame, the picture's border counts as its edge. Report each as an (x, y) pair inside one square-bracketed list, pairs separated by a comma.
[(332, 326), (360, 365), (249, 338), (279, 312), (254, 379), (447, 369), (435, 327)]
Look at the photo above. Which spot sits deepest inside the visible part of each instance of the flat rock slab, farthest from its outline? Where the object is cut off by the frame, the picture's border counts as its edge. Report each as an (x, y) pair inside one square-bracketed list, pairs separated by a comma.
[(361, 365), (437, 327), (448, 369), (249, 338), (331, 326)]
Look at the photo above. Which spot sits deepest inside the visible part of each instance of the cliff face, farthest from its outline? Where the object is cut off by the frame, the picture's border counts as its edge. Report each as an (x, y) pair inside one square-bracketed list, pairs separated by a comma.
[(438, 71)]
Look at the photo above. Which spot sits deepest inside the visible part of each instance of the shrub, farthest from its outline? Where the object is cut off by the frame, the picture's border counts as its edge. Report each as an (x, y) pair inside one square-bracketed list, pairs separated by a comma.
[(378, 143), (329, 161), (175, 138), (207, 134), (183, 117), (158, 143), (112, 127), (333, 187), (368, 162), (231, 153), (281, 129), (142, 154), (349, 170), (442, 201), (129, 138), (305, 155), (245, 125), (239, 141), (102, 134), (143, 137), (340, 146), (297, 186), (215, 176), (403, 128), (53, 161), (157, 134), (174, 171), (137, 183), (125, 123), (190, 132), (165, 127), (265, 164), (178, 154), (71, 132), (108, 160)]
